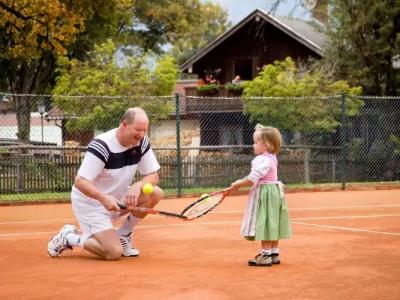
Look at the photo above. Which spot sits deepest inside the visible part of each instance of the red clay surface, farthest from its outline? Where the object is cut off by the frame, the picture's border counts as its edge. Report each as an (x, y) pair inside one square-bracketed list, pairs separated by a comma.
[(346, 245)]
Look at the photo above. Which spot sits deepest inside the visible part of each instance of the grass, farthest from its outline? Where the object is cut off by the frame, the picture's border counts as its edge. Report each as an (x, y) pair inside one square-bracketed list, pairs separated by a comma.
[(55, 197), (35, 197), (349, 185)]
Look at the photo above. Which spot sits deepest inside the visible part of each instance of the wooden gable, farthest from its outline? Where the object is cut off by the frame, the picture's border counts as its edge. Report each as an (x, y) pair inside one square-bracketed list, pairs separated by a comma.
[(258, 40)]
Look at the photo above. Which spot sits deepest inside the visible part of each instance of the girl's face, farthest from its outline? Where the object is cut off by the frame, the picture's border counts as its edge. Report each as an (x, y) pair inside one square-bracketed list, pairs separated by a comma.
[(259, 146)]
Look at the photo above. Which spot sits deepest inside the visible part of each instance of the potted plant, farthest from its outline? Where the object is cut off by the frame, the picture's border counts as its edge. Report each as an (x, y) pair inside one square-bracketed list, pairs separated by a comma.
[(234, 88), (208, 89)]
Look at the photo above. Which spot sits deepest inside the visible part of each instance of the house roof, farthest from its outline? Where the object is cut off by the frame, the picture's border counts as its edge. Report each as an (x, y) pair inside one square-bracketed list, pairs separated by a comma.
[(57, 114), (299, 30), (10, 119)]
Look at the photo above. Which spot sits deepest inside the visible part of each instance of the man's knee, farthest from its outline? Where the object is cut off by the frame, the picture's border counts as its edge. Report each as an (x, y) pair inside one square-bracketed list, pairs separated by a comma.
[(113, 252), (157, 195)]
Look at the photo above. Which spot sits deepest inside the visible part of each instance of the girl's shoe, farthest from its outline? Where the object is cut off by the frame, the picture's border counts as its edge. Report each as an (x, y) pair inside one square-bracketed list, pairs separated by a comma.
[(261, 260), (275, 259)]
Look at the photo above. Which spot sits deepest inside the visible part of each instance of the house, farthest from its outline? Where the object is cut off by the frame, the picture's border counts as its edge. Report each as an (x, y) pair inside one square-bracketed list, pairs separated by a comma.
[(258, 40), (42, 132), (81, 138)]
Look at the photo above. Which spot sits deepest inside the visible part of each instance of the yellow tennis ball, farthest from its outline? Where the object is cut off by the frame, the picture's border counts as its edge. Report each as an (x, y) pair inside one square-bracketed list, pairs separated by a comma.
[(204, 196), (147, 188)]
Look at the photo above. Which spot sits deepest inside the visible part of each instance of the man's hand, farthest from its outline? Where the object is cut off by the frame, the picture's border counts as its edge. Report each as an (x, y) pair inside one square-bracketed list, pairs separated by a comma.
[(131, 197), (110, 203)]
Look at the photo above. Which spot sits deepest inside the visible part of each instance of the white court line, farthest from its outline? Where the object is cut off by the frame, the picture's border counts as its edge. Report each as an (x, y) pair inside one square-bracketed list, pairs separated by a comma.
[(343, 217), (37, 221), (26, 233), (238, 222), (347, 228), (344, 207), (313, 208), (221, 212), (217, 212), (137, 227)]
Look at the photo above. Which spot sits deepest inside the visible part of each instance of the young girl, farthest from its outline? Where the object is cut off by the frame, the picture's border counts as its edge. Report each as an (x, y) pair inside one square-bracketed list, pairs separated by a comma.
[(266, 217)]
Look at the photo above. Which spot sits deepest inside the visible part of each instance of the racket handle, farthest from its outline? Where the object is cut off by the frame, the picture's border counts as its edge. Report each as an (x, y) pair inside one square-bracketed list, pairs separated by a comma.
[(122, 205), (136, 208)]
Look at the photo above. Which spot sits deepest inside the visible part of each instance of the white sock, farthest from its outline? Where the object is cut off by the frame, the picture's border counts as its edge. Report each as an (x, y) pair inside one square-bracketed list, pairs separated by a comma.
[(275, 250), (127, 226), (73, 239), (266, 251)]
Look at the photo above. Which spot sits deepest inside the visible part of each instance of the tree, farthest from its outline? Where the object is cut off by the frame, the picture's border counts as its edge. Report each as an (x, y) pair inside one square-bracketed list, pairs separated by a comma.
[(115, 87), (208, 23), (33, 34), (178, 23), (315, 110), (364, 40)]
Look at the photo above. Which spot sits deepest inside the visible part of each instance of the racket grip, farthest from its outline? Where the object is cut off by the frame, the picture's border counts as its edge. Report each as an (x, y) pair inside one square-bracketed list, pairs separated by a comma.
[(122, 205)]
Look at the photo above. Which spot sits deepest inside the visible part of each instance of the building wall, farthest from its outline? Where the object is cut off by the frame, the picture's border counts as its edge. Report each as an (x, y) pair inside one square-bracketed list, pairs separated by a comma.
[(163, 133), (51, 134)]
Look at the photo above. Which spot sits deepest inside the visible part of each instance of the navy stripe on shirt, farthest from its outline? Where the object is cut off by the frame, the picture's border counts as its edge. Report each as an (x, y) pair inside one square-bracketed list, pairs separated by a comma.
[(100, 149), (127, 158), (144, 145), (118, 160)]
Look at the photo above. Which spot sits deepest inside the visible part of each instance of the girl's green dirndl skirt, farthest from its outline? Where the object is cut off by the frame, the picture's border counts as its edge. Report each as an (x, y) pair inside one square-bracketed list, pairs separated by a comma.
[(266, 217)]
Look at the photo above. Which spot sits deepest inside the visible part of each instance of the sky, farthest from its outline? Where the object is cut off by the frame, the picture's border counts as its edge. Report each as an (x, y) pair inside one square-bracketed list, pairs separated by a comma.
[(239, 9)]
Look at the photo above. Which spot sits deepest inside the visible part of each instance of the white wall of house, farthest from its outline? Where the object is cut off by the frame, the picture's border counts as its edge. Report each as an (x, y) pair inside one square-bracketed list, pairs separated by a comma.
[(163, 133), (51, 134)]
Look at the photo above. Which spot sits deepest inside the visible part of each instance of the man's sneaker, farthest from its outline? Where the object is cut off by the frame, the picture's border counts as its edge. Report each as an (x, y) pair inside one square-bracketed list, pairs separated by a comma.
[(127, 249), (275, 259), (263, 260), (59, 243)]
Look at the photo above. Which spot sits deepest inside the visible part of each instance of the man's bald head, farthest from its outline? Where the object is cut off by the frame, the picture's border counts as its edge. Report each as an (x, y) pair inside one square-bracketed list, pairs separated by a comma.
[(132, 113)]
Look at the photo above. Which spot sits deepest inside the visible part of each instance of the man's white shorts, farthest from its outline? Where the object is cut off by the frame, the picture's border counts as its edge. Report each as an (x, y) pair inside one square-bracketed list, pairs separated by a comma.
[(93, 218)]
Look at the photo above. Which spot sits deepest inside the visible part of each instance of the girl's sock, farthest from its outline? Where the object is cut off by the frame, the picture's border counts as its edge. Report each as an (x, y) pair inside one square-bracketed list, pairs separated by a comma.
[(275, 250), (266, 251)]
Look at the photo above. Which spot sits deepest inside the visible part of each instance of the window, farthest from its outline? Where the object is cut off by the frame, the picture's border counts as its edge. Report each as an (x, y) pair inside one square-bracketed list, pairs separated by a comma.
[(244, 68)]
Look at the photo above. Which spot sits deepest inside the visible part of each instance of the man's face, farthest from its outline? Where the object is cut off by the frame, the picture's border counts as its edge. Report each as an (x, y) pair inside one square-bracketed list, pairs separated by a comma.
[(134, 133)]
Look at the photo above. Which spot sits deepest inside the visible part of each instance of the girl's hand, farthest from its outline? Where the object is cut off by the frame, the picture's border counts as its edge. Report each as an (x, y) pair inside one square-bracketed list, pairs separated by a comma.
[(236, 185)]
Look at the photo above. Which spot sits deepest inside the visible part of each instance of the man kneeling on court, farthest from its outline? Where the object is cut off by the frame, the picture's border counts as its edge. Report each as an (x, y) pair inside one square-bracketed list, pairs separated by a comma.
[(103, 180)]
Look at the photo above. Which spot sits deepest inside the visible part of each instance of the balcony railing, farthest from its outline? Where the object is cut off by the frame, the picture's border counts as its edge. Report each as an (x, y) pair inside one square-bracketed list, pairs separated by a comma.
[(222, 100)]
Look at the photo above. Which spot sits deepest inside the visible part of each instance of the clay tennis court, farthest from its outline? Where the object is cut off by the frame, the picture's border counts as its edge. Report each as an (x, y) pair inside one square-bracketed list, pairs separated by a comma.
[(346, 245)]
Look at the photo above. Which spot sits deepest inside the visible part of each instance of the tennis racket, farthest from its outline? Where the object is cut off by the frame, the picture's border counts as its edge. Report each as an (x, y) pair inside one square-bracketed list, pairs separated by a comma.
[(193, 211), (205, 204), (150, 211)]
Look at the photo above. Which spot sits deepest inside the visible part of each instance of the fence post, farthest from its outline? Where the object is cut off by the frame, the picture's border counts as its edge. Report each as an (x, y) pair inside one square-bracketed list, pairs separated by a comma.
[(307, 155), (178, 147), (344, 140), (20, 170)]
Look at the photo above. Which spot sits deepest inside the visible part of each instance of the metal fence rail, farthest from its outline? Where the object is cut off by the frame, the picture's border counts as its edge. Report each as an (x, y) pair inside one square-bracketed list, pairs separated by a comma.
[(205, 142)]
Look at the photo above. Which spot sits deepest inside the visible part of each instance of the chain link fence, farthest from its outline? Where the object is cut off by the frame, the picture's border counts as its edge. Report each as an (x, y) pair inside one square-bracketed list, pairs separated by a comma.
[(200, 142)]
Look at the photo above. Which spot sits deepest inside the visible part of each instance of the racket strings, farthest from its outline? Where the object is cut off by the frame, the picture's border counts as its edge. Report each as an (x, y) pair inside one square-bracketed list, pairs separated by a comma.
[(203, 206)]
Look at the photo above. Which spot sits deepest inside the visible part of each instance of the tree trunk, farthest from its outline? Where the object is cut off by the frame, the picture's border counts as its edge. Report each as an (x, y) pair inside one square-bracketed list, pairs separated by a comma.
[(23, 111), (31, 78)]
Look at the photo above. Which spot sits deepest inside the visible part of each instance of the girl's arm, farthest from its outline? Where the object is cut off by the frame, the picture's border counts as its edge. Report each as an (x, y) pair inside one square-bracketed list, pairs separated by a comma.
[(260, 166), (241, 183)]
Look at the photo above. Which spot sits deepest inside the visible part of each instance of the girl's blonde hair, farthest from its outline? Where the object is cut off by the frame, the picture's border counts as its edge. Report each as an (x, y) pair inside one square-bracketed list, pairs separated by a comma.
[(270, 136)]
